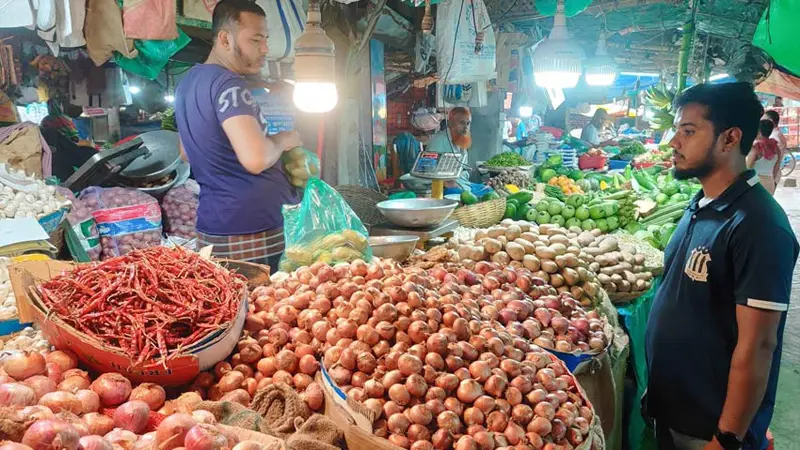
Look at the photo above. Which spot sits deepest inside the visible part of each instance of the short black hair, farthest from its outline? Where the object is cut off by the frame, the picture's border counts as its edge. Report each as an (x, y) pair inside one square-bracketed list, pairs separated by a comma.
[(773, 116), (729, 105), (227, 12), (765, 127)]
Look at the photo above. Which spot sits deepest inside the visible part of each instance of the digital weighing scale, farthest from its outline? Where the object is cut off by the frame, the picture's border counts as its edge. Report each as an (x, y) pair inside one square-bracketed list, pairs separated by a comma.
[(438, 167)]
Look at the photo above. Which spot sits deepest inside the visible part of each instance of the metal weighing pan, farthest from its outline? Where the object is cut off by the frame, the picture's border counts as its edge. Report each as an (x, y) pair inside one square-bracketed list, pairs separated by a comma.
[(163, 157), (417, 212)]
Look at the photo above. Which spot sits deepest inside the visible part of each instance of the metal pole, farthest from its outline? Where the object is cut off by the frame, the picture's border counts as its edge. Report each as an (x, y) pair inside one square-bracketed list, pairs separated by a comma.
[(686, 47)]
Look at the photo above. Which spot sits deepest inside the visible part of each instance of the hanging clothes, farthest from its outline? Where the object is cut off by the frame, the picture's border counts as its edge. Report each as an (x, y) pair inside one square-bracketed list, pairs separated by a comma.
[(16, 13)]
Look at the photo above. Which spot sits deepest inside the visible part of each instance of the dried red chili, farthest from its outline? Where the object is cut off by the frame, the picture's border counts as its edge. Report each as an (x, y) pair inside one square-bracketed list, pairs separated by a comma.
[(148, 303)]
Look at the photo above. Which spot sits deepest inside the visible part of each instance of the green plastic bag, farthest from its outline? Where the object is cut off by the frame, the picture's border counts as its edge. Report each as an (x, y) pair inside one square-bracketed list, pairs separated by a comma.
[(153, 55), (777, 33), (322, 228)]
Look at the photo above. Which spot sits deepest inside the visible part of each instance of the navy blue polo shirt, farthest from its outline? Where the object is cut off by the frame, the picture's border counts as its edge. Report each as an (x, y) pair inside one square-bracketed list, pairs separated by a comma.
[(737, 250)]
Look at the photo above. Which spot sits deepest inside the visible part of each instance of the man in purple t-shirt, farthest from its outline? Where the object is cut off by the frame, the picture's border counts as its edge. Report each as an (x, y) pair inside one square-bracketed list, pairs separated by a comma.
[(223, 136)]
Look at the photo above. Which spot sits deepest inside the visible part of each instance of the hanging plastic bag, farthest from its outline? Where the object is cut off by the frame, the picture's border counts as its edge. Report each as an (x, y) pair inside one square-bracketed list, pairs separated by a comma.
[(152, 55), (465, 43), (300, 165), (179, 210), (127, 219), (286, 20), (323, 228), (149, 19)]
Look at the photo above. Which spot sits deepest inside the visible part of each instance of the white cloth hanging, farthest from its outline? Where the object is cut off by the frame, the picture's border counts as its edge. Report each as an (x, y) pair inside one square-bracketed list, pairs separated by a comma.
[(15, 13)]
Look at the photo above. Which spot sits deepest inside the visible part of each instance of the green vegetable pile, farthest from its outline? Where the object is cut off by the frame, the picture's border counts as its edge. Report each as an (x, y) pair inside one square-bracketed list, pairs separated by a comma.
[(518, 205), (507, 159), (587, 212), (629, 149), (168, 122)]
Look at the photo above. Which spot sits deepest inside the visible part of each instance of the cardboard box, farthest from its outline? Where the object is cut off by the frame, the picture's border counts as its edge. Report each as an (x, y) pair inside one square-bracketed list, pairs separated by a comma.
[(101, 358), (350, 416), (199, 9)]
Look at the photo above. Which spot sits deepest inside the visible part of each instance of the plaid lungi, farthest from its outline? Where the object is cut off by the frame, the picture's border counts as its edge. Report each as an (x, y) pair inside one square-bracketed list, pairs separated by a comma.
[(260, 248)]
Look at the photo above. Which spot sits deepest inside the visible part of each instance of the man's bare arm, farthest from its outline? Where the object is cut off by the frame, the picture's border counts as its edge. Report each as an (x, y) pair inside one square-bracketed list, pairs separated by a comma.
[(750, 367), (254, 151)]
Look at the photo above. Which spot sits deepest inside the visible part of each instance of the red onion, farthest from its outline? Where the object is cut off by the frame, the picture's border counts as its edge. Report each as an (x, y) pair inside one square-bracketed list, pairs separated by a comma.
[(132, 416), (448, 420), (172, 431), (98, 424), (16, 394), (24, 365), (150, 393), (113, 389), (51, 435), (205, 437), (94, 443), (62, 401), (469, 390), (497, 421)]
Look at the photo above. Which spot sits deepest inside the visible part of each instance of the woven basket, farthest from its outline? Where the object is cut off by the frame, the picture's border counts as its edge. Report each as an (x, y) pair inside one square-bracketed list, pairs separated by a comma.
[(481, 215), (362, 201)]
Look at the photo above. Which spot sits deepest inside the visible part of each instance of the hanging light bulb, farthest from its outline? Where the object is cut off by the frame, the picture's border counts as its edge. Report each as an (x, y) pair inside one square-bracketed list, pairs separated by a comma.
[(558, 61), (601, 69), (315, 89)]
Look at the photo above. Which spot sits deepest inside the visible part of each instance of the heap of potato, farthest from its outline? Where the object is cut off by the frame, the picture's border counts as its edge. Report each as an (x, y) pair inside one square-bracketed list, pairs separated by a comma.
[(571, 260), (619, 267), (552, 253)]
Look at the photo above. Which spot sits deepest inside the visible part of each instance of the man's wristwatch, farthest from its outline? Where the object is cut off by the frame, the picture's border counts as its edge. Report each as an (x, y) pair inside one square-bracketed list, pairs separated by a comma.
[(728, 441)]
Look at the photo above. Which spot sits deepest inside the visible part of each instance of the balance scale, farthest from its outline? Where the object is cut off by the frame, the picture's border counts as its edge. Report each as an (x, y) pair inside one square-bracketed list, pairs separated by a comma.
[(437, 167)]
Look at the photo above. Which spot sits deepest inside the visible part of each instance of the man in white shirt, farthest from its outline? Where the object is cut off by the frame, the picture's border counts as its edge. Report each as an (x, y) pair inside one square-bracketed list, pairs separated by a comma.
[(591, 132), (455, 138)]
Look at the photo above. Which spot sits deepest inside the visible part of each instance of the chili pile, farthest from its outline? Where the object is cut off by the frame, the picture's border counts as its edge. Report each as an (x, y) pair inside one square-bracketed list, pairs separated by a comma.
[(148, 303)]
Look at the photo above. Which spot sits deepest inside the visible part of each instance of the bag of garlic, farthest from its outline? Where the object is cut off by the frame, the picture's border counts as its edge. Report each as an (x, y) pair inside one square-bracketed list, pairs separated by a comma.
[(24, 196)]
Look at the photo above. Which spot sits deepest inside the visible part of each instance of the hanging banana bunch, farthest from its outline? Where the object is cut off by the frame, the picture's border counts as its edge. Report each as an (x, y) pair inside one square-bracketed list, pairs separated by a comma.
[(659, 99)]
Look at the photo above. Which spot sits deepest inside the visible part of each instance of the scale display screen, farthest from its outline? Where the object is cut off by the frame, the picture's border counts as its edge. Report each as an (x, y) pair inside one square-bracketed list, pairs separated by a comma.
[(434, 165)]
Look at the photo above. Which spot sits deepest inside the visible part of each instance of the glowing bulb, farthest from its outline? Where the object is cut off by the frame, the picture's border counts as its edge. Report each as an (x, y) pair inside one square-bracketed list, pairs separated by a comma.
[(169, 98), (600, 79), (134, 89), (525, 111), (315, 97)]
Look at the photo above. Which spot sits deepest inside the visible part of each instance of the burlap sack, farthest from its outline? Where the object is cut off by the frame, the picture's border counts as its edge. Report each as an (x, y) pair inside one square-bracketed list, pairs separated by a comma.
[(104, 32), (316, 433), (279, 404)]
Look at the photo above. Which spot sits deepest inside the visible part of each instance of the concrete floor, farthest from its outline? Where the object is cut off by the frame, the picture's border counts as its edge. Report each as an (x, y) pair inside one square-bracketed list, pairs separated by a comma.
[(785, 425)]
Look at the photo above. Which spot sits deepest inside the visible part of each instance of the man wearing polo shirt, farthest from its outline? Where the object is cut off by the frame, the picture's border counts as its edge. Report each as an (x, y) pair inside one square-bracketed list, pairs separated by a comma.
[(716, 327)]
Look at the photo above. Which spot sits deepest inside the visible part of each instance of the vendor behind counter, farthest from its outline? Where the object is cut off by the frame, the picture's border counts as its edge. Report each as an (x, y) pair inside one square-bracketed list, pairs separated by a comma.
[(456, 138)]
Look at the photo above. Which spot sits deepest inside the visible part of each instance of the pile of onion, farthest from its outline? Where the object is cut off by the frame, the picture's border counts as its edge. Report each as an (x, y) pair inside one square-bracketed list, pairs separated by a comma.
[(436, 355)]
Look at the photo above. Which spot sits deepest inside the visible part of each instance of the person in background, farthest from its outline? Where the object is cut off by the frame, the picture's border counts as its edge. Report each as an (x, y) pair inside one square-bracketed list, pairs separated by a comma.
[(763, 156), (777, 134), (518, 129), (591, 132), (223, 135), (721, 307), (776, 130), (778, 103), (60, 122), (455, 138)]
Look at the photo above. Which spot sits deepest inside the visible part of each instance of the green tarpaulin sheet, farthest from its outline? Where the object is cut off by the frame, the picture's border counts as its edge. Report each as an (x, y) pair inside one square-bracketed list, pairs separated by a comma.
[(634, 316), (777, 33)]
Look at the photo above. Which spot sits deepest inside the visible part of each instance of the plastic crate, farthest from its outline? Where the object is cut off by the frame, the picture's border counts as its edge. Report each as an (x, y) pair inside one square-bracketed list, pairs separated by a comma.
[(617, 165)]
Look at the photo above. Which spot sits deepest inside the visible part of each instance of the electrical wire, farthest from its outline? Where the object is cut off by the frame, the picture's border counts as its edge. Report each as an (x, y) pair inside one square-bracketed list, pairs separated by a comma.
[(502, 15)]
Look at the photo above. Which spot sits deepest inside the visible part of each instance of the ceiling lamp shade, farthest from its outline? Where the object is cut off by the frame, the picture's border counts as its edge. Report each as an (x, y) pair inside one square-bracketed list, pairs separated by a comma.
[(601, 69), (314, 65), (558, 61)]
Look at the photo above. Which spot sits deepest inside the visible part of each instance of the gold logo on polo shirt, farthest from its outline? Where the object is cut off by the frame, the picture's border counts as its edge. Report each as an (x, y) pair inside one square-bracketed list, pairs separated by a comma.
[(697, 265)]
